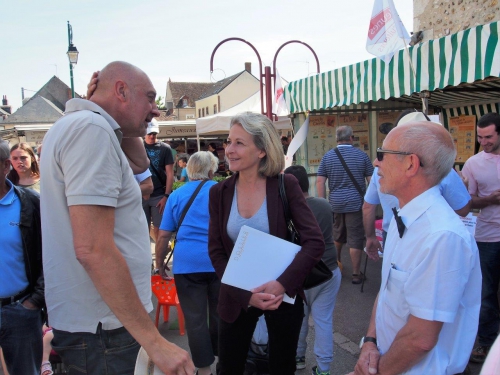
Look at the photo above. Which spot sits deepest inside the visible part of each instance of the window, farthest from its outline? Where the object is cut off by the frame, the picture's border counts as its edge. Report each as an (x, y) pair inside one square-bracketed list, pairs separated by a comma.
[(203, 112), (207, 111), (215, 109), (184, 102), (199, 112)]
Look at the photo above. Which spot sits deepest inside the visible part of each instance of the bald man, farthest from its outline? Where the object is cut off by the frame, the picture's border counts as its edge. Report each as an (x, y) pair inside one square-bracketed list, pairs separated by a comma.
[(96, 245), (425, 317)]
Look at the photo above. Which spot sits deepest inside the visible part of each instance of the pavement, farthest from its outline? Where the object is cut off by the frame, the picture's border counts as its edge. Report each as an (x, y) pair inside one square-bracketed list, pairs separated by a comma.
[(351, 317)]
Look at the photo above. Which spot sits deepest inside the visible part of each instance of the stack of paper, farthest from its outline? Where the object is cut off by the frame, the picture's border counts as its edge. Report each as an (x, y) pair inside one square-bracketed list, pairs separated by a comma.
[(258, 258)]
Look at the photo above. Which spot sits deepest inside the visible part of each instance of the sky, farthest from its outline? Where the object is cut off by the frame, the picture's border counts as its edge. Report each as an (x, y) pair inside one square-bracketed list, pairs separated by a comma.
[(175, 39)]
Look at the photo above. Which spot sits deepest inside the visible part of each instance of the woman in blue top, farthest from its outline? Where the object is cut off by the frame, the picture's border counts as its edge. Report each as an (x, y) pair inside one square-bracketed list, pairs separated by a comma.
[(195, 278)]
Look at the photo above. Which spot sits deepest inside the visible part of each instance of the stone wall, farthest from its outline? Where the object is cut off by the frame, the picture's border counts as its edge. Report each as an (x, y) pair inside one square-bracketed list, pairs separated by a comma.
[(438, 18)]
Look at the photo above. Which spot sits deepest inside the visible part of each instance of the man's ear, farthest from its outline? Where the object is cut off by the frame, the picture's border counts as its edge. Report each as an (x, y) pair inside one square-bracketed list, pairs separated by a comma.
[(121, 91), (413, 166)]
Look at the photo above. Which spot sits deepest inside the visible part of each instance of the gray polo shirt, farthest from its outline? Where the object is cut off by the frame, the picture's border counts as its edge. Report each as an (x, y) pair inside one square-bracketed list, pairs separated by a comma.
[(83, 164)]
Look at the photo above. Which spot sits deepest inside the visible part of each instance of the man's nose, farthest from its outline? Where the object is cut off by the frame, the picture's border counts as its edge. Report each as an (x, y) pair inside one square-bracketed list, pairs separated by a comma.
[(155, 111)]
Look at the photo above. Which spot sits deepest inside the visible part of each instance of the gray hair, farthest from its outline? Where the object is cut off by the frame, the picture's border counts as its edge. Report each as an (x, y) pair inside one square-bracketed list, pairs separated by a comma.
[(200, 164), (4, 150), (344, 133), (432, 144), (266, 138)]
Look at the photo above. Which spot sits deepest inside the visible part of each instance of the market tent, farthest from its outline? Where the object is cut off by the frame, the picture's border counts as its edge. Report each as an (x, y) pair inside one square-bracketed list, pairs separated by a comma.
[(219, 123), (459, 68)]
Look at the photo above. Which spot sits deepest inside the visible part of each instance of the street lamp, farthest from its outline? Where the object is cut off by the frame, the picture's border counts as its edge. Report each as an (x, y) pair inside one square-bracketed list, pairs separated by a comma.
[(72, 56), (266, 75)]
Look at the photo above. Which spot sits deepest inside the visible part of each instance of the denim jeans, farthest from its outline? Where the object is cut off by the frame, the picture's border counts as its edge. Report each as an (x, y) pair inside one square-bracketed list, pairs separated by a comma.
[(21, 338), (199, 295), (283, 325), (320, 303), (112, 352), (489, 316)]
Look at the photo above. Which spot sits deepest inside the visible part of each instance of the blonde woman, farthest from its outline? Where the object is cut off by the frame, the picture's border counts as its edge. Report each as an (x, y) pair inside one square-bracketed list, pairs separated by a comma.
[(251, 197)]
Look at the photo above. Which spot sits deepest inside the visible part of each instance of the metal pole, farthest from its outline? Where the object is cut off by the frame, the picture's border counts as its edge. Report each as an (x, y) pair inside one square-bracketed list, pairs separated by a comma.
[(70, 37), (269, 101)]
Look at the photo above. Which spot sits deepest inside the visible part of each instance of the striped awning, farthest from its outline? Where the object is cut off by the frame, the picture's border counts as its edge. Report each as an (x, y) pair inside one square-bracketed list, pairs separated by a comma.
[(448, 66)]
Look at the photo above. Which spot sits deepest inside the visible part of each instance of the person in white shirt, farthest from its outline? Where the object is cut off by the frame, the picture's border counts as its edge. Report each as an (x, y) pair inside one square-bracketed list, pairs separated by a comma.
[(424, 320)]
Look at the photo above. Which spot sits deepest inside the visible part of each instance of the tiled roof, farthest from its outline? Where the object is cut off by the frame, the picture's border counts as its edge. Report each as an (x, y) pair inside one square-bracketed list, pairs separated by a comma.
[(192, 90), (218, 86), (56, 91), (37, 110), (164, 116)]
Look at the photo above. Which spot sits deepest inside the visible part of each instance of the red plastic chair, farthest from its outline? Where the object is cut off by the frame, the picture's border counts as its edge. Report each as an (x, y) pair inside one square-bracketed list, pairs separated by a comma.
[(166, 293)]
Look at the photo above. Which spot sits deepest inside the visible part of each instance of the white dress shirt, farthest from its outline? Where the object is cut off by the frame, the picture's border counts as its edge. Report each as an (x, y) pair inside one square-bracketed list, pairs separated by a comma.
[(433, 273)]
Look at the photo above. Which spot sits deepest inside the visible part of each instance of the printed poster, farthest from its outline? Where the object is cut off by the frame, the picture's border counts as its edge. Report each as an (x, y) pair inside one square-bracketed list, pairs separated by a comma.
[(463, 131), (321, 137), (359, 124), (386, 121)]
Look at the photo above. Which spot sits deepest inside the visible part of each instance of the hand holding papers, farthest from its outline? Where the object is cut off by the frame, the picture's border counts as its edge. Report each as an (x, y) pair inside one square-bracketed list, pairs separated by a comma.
[(258, 258)]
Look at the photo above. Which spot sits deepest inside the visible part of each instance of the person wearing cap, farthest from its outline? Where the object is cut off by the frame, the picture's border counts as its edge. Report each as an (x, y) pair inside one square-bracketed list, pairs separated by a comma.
[(161, 167), (451, 187), (96, 247), (425, 316)]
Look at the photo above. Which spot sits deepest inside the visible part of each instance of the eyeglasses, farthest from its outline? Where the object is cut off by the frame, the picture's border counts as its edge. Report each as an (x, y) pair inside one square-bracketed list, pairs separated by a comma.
[(381, 152)]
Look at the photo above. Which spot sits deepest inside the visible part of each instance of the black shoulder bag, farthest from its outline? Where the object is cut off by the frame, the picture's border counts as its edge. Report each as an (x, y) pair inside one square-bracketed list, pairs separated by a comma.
[(349, 173), (320, 273), (184, 212)]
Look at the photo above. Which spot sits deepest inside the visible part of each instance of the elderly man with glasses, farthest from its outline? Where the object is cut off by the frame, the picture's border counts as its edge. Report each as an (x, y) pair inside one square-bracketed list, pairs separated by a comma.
[(424, 317), (451, 187)]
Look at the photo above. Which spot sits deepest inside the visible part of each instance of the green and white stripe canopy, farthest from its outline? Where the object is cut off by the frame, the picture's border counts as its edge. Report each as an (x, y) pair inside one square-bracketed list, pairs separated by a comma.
[(456, 60)]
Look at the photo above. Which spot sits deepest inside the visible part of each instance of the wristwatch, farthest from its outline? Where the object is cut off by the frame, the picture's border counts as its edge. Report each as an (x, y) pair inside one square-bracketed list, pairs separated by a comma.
[(365, 339), (166, 195)]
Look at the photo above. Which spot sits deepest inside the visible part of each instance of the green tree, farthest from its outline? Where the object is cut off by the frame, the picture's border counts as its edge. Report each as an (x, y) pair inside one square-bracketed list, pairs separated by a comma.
[(159, 103)]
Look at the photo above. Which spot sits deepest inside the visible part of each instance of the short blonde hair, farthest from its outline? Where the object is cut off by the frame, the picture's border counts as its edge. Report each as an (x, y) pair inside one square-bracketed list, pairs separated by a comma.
[(200, 164), (266, 138)]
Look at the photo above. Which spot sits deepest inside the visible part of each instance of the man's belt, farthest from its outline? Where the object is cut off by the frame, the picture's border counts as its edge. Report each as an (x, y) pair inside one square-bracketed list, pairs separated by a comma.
[(8, 300)]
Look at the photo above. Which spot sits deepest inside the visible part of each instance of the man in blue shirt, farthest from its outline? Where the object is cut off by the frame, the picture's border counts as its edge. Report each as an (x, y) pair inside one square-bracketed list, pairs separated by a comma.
[(21, 276), (345, 199)]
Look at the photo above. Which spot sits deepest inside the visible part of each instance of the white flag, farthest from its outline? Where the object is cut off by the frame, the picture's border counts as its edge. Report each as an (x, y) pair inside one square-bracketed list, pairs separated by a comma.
[(386, 34), (279, 105), (297, 141)]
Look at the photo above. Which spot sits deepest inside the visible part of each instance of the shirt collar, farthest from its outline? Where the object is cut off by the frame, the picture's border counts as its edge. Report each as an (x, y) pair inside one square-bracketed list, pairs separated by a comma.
[(344, 145), (76, 104), (418, 205), (10, 196), (488, 155)]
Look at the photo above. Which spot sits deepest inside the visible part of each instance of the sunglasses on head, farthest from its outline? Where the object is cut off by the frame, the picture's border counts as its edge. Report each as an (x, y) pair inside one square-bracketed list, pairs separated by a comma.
[(381, 152)]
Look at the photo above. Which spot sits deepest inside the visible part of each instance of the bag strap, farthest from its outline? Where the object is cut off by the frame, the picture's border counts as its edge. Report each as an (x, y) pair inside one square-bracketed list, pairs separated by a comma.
[(356, 185), (155, 171), (184, 212), (284, 200)]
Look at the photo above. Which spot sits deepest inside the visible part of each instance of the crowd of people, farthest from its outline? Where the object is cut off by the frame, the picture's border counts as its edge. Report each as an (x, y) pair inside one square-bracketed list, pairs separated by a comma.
[(77, 256)]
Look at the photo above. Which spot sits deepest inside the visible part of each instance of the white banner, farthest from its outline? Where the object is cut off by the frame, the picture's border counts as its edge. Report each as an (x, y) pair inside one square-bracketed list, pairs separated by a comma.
[(297, 141), (386, 34)]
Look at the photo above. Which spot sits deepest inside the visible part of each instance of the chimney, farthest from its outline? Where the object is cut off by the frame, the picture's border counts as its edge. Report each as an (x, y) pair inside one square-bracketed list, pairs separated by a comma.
[(248, 67), (4, 100)]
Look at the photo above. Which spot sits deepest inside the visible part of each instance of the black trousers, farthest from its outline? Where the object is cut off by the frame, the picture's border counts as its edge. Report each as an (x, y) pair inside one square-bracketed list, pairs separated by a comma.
[(199, 295), (283, 327)]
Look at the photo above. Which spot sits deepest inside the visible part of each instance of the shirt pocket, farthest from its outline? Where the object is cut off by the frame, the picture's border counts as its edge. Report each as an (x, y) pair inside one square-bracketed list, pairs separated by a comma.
[(395, 299)]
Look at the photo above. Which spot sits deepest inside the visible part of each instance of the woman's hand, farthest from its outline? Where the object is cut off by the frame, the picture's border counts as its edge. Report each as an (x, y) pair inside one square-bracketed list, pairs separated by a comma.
[(267, 296)]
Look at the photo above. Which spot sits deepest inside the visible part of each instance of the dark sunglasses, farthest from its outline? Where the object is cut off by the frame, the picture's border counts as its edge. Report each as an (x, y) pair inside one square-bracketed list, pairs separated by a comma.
[(381, 152)]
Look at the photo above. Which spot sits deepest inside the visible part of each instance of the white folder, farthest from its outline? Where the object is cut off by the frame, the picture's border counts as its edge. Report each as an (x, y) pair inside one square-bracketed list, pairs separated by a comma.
[(258, 258)]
